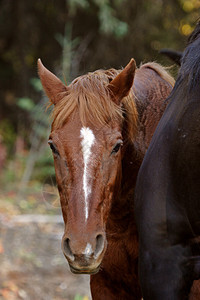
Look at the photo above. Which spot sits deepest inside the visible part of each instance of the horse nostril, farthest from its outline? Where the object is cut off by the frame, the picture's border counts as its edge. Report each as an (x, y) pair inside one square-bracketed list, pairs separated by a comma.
[(67, 250), (99, 245)]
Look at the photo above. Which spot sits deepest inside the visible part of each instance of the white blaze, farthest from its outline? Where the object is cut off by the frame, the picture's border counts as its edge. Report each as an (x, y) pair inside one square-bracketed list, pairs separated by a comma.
[(88, 139), (88, 250)]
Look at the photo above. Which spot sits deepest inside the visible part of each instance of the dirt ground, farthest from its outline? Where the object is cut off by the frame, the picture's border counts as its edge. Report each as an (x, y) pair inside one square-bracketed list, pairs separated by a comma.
[(32, 266)]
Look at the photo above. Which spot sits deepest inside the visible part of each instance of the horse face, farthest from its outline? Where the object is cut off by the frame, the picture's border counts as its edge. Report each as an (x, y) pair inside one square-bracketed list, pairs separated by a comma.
[(88, 167)]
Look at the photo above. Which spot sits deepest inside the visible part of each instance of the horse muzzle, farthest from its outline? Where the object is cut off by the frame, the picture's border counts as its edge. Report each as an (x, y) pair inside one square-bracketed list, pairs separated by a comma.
[(90, 269), (84, 257)]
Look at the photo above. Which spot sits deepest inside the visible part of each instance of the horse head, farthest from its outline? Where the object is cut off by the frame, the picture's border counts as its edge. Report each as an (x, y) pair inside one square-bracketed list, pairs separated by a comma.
[(86, 140)]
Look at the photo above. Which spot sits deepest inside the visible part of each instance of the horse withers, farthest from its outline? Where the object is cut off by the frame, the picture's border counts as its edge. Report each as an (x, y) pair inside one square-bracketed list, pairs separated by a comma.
[(167, 198), (102, 126)]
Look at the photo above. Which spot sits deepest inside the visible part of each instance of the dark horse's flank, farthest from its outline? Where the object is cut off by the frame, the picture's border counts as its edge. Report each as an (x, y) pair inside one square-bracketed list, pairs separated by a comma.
[(167, 202)]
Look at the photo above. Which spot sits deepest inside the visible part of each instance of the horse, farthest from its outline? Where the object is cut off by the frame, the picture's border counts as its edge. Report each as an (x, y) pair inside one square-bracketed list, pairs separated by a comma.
[(167, 191), (174, 55), (102, 125)]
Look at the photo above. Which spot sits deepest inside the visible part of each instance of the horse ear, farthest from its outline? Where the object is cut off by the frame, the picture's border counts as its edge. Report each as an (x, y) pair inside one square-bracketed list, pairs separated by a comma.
[(53, 86), (120, 86)]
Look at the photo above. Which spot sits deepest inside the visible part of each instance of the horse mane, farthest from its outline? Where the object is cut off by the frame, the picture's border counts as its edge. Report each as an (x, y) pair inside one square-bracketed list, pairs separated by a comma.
[(195, 34), (90, 95), (161, 71), (190, 67)]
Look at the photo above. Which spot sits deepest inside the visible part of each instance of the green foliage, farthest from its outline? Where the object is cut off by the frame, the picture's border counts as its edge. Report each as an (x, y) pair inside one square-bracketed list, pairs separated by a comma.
[(73, 37), (44, 166), (36, 83), (68, 45), (8, 134), (26, 103), (75, 4), (13, 171), (9, 176), (109, 24), (39, 159)]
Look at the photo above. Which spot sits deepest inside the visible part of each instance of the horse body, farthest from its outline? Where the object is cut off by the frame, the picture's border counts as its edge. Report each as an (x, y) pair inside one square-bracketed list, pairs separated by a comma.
[(96, 175), (167, 191)]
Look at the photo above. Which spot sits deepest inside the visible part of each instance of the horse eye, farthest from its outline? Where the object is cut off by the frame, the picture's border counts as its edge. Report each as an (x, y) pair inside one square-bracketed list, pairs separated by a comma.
[(53, 147), (117, 147)]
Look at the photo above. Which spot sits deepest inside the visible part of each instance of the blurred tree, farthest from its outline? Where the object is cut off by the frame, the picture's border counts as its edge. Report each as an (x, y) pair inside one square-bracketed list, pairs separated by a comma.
[(73, 37)]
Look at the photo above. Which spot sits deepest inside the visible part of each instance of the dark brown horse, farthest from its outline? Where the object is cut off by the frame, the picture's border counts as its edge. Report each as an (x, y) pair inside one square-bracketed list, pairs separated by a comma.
[(167, 199), (101, 129), (174, 55)]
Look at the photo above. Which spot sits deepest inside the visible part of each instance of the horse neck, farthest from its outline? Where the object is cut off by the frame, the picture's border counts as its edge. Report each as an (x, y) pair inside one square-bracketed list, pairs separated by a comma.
[(149, 99), (121, 213), (150, 90)]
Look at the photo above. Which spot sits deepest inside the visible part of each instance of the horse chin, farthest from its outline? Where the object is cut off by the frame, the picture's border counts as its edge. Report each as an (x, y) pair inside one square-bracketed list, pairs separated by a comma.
[(84, 270)]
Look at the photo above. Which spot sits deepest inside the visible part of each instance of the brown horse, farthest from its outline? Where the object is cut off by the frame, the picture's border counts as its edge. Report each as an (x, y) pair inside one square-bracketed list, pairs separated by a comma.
[(101, 129)]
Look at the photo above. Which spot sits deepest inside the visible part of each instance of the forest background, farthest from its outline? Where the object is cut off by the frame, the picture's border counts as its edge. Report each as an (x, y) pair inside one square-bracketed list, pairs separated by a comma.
[(71, 37)]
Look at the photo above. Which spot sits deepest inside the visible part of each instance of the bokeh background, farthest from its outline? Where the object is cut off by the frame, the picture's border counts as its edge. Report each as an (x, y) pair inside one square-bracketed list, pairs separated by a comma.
[(71, 37)]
